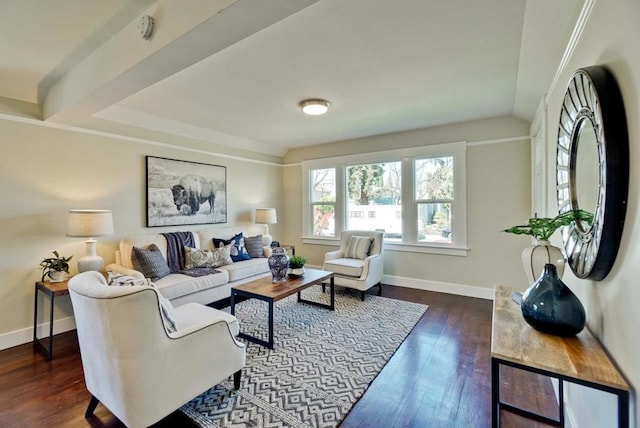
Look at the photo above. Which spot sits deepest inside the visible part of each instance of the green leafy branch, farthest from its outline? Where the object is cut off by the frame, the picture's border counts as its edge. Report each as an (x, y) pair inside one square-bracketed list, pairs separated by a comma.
[(542, 228)]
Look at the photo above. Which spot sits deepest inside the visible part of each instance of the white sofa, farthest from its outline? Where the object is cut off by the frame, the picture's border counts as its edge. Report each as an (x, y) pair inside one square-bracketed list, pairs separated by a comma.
[(181, 289)]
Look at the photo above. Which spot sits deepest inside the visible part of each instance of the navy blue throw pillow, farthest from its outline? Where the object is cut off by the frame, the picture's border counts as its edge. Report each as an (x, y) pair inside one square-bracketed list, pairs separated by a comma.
[(238, 250)]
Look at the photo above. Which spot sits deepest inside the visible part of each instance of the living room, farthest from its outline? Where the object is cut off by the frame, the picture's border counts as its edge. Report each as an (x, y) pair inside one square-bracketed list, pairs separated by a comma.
[(56, 164)]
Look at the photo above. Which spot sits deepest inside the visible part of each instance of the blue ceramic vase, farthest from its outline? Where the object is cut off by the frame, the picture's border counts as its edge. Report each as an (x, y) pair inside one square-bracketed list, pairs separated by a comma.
[(279, 264), (550, 307)]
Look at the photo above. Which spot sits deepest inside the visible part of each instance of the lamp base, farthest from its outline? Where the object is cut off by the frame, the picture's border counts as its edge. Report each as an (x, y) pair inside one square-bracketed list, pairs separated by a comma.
[(88, 263), (91, 261), (267, 239)]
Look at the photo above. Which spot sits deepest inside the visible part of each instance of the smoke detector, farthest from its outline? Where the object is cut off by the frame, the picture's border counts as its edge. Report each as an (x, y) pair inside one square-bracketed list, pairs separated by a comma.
[(146, 26)]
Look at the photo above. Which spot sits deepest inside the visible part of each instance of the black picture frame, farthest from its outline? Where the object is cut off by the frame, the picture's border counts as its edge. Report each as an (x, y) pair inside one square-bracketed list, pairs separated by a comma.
[(182, 192)]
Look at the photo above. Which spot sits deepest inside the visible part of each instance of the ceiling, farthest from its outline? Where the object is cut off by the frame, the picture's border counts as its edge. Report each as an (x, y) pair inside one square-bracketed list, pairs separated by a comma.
[(233, 72)]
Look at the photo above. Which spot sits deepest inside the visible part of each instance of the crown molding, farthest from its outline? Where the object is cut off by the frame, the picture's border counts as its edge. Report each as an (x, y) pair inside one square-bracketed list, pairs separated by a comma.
[(571, 46)]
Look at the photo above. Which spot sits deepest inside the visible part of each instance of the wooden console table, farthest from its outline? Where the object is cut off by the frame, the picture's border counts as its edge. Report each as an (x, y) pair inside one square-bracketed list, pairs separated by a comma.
[(580, 360)]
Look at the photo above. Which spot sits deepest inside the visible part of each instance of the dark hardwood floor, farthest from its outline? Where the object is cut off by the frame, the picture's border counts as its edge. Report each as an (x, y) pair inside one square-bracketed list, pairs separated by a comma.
[(439, 377)]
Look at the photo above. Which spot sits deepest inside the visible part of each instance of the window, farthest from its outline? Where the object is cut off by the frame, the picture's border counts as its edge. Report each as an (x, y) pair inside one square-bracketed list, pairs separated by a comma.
[(375, 189), (323, 201), (433, 198), (417, 196)]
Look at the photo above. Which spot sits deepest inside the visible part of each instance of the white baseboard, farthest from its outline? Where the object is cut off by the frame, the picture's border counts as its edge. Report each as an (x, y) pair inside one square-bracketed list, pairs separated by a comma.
[(440, 287), (25, 335)]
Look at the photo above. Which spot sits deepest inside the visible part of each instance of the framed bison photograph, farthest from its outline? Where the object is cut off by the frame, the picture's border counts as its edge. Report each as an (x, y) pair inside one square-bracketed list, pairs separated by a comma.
[(182, 192)]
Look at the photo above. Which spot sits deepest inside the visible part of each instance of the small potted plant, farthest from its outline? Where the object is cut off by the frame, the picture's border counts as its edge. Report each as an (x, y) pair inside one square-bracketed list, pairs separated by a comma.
[(56, 268), (296, 265)]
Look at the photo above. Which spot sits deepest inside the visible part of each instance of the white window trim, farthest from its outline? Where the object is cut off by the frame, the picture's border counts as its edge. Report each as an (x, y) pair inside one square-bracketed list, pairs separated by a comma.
[(459, 205)]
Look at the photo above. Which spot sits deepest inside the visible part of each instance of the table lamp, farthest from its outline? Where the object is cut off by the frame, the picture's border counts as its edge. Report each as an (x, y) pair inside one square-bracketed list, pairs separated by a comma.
[(90, 224), (266, 216)]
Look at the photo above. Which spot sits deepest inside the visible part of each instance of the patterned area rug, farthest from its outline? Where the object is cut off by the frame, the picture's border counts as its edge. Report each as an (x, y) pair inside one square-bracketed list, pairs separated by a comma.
[(322, 363)]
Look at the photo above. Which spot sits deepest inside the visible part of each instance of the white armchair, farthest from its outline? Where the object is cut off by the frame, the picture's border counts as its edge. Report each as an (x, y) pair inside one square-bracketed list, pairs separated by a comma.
[(137, 369), (355, 267)]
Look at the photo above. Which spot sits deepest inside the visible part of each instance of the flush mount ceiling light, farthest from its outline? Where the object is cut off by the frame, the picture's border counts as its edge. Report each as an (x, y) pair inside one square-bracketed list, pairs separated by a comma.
[(315, 106)]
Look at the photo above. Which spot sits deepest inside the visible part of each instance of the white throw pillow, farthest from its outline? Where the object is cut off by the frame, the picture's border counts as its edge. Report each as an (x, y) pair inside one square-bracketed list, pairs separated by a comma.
[(114, 278), (358, 247)]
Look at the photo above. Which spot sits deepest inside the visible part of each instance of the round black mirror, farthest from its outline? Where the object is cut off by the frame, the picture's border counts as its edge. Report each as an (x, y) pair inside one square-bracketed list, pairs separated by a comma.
[(592, 164)]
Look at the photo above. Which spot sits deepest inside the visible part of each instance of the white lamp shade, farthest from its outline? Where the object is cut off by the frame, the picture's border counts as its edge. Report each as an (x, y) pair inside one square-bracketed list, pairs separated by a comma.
[(89, 223), (266, 216)]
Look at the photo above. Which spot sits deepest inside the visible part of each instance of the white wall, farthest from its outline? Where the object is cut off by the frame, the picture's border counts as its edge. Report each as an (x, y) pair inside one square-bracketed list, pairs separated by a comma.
[(610, 38), (45, 171), (498, 196)]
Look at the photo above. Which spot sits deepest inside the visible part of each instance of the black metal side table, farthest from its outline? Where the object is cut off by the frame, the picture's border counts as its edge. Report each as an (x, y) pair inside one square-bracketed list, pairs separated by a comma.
[(51, 289), (291, 249)]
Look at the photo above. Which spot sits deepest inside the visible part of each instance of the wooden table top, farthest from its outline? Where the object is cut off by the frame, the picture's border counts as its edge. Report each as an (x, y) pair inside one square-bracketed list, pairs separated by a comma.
[(264, 287), (581, 357), (57, 288)]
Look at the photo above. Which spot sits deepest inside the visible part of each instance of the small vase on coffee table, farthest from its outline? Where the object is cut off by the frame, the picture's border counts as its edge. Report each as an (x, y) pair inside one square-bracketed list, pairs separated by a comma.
[(279, 265)]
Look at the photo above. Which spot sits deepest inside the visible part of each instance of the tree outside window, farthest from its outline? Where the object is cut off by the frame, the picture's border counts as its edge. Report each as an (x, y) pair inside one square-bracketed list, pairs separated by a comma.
[(376, 190), (434, 195), (323, 200)]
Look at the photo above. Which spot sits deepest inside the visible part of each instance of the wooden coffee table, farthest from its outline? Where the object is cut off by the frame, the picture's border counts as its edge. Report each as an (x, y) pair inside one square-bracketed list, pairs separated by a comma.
[(264, 289)]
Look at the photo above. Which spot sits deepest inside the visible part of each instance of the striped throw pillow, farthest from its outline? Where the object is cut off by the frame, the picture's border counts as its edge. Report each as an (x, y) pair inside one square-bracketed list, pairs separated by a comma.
[(358, 247), (254, 246)]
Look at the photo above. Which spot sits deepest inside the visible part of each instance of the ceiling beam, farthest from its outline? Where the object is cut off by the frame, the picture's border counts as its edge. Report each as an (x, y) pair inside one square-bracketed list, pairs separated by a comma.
[(127, 63)]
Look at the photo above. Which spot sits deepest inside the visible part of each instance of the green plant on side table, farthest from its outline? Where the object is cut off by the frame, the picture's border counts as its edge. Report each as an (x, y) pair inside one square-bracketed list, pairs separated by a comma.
[(56, 268), (296, 265)]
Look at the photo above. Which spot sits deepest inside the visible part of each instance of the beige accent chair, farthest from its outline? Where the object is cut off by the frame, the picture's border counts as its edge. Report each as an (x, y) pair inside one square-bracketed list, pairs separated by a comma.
[(356, 273), (137, 369)]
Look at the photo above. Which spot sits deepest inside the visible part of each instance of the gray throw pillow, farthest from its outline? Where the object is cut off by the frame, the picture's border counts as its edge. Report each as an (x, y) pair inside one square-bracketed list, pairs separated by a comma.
[(150, 262), (253, 244)]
